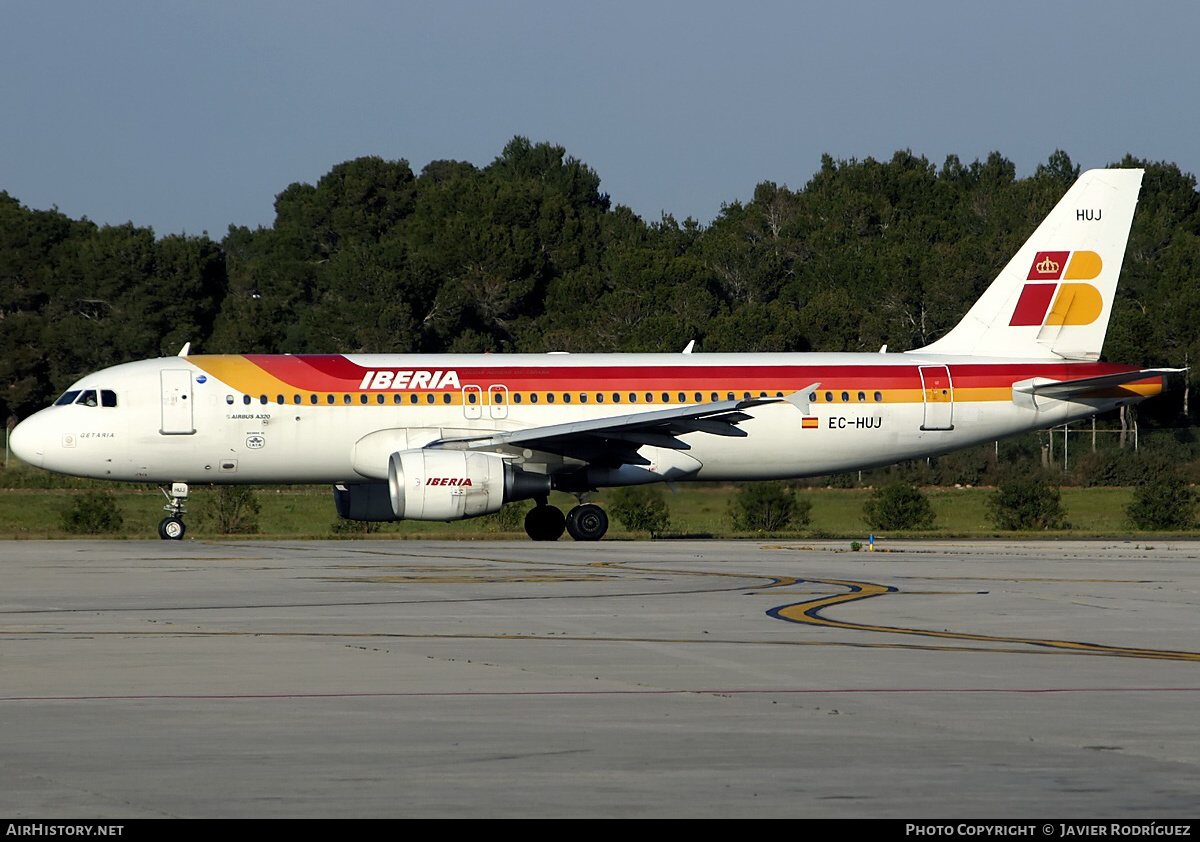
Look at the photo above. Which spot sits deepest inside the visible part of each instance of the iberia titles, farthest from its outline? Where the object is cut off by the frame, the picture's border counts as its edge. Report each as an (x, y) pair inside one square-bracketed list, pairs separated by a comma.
[(409, 379)]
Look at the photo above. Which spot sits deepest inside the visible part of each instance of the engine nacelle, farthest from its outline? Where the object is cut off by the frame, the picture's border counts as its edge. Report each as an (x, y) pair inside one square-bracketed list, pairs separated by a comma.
[(456, 484)]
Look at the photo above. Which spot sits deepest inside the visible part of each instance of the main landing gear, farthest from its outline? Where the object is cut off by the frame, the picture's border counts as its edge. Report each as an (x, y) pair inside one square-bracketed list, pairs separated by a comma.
[(172, 528), (586, 522)]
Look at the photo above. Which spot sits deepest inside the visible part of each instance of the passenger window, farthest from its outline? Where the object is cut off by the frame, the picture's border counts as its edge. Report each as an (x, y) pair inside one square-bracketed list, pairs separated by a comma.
[(346, 399), (533, 398), (583, 397), (599, 397), (379, 399), (829, 397), (296, 399), (878, 397), (329, 399), (566, 397), (632, 397), (550, 398), (279, 399), (445, 397), (616, 397), (262, 399), (682, 397), (862, 396), (845, 397), (517, 397), (229, 399)]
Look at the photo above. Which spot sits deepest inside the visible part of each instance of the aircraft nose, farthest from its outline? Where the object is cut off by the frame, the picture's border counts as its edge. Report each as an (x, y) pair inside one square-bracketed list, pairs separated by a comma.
[(27, 443)]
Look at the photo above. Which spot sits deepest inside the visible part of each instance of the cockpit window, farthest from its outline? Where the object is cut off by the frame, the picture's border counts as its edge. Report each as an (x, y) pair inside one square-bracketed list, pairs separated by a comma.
[(88, 397)]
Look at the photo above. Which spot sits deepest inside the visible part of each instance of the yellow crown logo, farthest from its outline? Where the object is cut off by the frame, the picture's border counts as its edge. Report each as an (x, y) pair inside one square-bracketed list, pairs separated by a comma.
[(1047, 266)]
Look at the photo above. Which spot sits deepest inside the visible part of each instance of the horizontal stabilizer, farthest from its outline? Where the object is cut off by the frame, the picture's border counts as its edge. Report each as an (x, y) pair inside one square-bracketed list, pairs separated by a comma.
[(1063, 389)]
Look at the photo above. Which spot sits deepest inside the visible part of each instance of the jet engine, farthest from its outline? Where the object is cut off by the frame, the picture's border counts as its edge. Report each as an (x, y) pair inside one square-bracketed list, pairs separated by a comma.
[(439, 485), (457, 484)]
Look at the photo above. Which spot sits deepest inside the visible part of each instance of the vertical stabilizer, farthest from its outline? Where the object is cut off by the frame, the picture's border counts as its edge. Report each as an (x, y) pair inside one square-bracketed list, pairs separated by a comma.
[(1053, 299)]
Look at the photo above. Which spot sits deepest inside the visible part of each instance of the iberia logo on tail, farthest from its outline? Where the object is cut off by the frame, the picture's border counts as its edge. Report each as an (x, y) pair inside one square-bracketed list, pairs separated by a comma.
[(1059, 272)]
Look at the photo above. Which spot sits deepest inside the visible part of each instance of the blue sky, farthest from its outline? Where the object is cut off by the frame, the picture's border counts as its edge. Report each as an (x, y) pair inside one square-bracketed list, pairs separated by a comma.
[(191, 116)]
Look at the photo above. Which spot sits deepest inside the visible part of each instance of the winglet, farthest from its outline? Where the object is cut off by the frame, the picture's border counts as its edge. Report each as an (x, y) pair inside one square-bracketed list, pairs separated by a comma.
[(801, 399), (185, 350)]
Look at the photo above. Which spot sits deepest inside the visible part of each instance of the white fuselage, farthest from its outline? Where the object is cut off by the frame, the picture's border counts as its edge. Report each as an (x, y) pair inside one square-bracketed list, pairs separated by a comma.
[(267, 420)]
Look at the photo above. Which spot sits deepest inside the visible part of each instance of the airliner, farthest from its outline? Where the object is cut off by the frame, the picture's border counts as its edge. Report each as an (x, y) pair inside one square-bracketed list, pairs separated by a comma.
[(447, 437)]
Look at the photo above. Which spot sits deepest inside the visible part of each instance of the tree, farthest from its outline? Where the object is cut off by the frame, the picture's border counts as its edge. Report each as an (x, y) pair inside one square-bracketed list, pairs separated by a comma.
[(899, 505), (1163, 500), (640, 508), (1026, 503), (92, 513), (767, 507)]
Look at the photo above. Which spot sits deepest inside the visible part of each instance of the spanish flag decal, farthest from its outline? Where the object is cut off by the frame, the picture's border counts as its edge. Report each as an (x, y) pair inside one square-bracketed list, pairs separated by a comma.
[(810, 423)]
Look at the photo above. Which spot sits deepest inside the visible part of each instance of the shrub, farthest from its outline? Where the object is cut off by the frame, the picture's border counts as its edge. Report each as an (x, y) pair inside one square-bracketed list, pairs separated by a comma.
[(640, 509), (92, 513), (1027, 503), (510, 517), (232, 510), (1163, 502), (345, 528), (899, 505), (768, 507)]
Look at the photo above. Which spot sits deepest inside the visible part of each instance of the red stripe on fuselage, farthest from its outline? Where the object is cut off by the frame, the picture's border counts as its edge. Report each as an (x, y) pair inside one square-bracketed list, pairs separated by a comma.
[(335, 373)]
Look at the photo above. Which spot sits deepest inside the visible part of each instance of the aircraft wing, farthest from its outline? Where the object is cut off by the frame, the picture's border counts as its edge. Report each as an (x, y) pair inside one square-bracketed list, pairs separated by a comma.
[(1062, 389), (614, 440)]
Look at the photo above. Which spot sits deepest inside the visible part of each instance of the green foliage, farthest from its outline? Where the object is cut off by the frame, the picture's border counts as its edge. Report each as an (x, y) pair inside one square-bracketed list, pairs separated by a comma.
[(640, 508), (510, 518), (231, 510), (345, 528), (898, 505), (527, 254), (92, 513), (768, 507), (1163, 501), (1030, 502)]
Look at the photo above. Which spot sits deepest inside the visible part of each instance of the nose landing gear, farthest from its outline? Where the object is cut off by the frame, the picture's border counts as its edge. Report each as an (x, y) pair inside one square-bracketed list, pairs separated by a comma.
[(172, 528)]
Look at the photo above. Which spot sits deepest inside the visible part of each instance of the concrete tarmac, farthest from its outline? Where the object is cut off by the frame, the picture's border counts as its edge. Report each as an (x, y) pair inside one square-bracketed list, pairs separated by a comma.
[(619, 679)]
